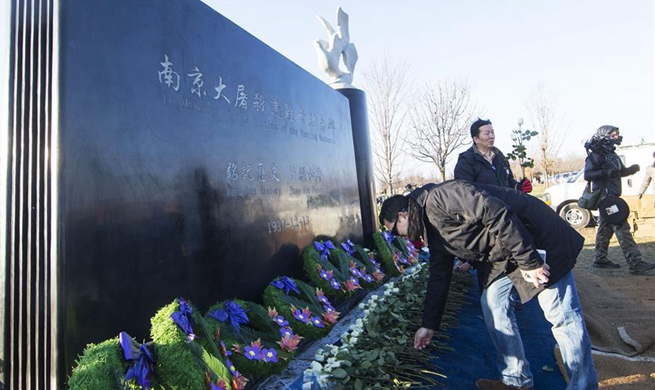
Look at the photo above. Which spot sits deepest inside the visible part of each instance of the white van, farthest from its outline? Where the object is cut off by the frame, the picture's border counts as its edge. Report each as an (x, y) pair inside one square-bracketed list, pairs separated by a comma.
[(563, 198)]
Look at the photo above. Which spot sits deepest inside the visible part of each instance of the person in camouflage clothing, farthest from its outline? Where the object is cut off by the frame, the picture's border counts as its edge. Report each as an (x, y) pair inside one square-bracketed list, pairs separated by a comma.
[(604, 169)]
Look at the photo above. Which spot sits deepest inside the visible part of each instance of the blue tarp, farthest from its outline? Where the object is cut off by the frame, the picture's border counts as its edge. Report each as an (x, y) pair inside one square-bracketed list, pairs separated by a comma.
[(474, 355)]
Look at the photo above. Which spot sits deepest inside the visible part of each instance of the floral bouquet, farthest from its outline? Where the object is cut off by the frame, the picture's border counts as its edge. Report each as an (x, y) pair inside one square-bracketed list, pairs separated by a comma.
[(252, 341), (303, 308)]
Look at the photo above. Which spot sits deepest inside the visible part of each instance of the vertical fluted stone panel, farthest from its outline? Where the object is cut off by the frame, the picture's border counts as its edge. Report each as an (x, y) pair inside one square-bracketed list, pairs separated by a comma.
[(28, 305)]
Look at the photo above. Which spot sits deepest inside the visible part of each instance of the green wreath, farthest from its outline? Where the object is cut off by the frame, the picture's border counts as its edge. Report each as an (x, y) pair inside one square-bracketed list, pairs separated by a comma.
[(100, 367), (370, 271), (250, 338), (327, 267), (393, 252), (305, 307), (187, 360)]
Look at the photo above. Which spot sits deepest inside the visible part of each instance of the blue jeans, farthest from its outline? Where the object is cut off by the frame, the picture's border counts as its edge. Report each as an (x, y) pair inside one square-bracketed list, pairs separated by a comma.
[(561, 307)]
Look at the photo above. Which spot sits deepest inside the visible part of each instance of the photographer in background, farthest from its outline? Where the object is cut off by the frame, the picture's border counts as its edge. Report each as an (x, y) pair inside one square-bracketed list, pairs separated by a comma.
[(650, 176), (604, 169)]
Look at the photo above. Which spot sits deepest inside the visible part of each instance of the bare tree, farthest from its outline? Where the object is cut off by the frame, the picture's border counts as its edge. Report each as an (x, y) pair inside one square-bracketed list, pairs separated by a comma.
[(547, 120), (440, 122), (387, 84)]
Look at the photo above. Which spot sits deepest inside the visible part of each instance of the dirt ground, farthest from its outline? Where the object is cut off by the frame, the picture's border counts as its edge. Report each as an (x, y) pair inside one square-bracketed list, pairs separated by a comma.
[(641, 287), (619, 373)]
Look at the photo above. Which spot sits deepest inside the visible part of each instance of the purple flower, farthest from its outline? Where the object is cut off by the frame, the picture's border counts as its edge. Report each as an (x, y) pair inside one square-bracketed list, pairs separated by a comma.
[(328, 308), (317, 322), (231, 367), (269, 355), (375, 263), (335, 284), (281, 321), (286, 332), (322, 299), (324, 274), (301, 316), (253, 352), (402, 259), (354, 271), (368, 278)]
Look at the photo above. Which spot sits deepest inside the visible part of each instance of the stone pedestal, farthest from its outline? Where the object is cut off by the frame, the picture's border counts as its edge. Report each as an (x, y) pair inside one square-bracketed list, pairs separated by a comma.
[(363, 160)]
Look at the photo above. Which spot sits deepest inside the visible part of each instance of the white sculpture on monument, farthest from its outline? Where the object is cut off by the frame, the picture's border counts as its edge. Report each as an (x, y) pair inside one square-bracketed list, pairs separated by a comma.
[(330, 53)]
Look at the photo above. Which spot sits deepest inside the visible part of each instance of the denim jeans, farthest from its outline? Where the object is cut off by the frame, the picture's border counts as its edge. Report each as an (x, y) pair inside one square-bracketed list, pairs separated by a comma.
[(561, 307)]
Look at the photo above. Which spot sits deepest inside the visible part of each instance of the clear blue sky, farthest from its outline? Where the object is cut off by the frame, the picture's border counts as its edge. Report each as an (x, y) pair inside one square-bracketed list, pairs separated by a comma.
[(597, 56)]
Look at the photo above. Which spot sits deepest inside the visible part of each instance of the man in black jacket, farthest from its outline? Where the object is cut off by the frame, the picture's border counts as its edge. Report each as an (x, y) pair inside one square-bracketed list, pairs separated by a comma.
[(604, 169), (484, 163), (504, 228)]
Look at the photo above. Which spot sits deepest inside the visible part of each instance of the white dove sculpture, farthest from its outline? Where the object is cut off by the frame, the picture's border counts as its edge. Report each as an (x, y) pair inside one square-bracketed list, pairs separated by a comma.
[(330, 53)]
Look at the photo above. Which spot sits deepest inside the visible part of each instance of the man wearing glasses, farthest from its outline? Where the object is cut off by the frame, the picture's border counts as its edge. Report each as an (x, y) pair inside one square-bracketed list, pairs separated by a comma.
[(501, 227), (604, 169)]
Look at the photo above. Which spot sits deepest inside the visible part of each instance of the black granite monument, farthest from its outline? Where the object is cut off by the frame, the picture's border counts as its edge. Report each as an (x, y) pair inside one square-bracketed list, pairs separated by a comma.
[(154, 150)]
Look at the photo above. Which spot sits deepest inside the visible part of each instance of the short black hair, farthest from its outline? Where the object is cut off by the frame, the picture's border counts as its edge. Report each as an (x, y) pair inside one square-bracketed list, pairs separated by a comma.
[(391, 207), (475, 127)]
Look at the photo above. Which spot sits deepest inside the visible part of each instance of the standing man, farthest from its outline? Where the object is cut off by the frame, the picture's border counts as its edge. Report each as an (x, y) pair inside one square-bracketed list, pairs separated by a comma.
[(501, 227), (650, 176), (486, 164), (604, 169)]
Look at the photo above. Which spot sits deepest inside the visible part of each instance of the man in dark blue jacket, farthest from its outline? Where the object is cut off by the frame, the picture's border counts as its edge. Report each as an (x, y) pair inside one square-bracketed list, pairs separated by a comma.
[(486, 164), (502, 227)]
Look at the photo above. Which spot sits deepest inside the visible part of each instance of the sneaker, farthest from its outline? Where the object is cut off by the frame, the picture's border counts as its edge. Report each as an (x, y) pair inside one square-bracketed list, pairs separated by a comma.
[(489, 384), (605, 264), (640, 267)]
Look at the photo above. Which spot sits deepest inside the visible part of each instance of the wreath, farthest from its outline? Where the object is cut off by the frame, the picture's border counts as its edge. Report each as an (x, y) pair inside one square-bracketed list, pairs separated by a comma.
[(255, 343), (187, 355), (394, 253), (305, 308), (102, 367), (370, 271)]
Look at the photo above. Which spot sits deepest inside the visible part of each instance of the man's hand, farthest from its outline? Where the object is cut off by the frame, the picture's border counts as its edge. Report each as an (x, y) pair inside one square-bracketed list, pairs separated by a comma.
[(538, 276), (422, 338), (525, 185), (461, 267)]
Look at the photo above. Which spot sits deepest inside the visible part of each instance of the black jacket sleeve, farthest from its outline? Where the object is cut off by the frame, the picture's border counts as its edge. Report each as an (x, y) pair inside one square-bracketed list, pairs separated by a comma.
[(441, 272), (464, 170)]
